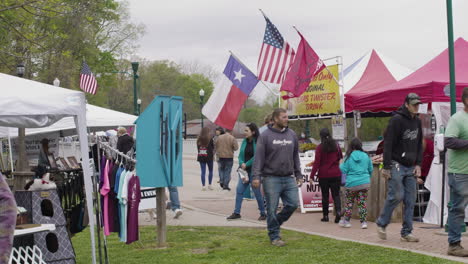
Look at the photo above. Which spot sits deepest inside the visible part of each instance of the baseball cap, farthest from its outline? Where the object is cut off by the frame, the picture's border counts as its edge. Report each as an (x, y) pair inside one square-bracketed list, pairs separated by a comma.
[(413, 99)]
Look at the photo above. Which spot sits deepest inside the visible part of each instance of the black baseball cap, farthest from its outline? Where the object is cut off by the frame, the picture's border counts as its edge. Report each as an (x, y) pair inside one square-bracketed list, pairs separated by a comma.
[(413, 99)]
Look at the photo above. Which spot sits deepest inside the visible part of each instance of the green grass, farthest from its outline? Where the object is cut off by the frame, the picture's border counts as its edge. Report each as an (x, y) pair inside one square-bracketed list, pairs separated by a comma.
[(242, 245)]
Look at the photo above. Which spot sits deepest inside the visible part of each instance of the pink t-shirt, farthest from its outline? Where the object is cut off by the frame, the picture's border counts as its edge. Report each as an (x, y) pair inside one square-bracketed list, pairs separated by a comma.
[(105, 193)]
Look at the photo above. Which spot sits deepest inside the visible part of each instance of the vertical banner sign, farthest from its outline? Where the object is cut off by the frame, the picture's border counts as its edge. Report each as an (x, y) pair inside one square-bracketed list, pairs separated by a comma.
[(321, 97), (310, 194)]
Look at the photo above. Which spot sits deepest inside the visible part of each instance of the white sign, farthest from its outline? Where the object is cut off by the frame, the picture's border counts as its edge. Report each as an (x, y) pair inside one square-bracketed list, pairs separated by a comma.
[(338, 127)]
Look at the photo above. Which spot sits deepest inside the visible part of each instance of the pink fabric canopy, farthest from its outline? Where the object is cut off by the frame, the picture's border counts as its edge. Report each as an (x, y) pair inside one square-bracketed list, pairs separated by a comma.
[(375, 75), (428, 82)]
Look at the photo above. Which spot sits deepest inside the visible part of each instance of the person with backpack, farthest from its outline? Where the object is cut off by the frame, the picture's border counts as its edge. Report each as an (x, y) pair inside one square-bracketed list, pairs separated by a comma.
[(205, 147), (327, 167), (357, 167)]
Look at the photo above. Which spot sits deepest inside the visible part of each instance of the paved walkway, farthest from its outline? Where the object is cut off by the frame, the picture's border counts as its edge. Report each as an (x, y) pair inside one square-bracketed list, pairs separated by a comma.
[(210, 208)]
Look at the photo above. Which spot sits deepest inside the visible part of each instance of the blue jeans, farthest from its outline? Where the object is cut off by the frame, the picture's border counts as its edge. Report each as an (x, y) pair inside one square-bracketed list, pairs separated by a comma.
[(174, 197), (203, 172), (456, 213), (274, 189), (219, 171), (401, 186), (241, 187), (225, 170)]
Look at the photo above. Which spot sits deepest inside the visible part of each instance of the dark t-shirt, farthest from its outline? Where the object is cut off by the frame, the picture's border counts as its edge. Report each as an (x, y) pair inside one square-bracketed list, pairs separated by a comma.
[(134, 198)]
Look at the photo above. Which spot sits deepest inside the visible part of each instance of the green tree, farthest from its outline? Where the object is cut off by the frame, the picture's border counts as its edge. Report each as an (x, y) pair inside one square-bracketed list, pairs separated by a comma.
[(53, 37)]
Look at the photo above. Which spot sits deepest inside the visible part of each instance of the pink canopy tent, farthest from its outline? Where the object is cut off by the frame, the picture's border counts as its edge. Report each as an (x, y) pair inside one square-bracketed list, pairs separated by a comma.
[(376, 71), (428, 82)]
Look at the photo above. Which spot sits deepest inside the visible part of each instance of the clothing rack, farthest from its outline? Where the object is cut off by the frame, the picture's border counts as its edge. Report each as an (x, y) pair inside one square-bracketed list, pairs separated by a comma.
[(102, 145), (106, 145)]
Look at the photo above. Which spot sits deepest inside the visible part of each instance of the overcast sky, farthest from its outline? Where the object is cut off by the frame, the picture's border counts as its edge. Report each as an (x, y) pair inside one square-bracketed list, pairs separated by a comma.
[(409, 32)]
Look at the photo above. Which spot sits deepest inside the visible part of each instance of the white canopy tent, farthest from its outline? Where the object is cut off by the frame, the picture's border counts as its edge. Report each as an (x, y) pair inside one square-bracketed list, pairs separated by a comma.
[(97, 119), (30, 104)]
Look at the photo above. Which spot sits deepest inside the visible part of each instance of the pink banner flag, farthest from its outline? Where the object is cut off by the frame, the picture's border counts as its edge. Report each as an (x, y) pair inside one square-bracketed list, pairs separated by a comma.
[(304, 67)]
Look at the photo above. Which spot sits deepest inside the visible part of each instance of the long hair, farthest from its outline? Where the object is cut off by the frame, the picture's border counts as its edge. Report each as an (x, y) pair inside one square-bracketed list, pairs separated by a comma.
[(355, 144), (328, 143), (204, 138), (45, 145), (253, 127)]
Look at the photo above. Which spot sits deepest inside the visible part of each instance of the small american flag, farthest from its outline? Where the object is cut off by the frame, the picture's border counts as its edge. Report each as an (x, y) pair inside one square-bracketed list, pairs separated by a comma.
[(275, 57), (87, 81)]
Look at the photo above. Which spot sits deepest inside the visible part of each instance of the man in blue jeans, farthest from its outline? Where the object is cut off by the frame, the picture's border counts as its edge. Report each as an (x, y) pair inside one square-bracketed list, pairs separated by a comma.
[(456, 140), (402, 165), (225, 146), (175, 203), (277, 164)]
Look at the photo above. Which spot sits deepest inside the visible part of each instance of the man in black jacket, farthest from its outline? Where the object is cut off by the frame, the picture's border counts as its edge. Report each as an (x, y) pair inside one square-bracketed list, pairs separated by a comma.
[(402, 165)]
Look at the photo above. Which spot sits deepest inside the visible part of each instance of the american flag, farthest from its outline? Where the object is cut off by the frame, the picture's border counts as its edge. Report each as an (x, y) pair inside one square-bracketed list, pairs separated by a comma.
[(87, 81), (275, 57)]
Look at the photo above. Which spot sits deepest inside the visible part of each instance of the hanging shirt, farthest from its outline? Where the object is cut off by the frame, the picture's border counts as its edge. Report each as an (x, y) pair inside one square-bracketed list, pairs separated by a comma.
[(105, 193), (112, 206), (134, 197), (117, 217), (124, 206), (123, 230)]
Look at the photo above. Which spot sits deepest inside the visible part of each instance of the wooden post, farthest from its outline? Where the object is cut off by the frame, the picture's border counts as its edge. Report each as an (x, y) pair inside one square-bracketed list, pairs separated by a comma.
[(161, 217)]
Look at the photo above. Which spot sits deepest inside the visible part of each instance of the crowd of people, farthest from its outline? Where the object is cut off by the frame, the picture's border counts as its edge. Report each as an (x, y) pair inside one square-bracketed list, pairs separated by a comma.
[(269, 156)]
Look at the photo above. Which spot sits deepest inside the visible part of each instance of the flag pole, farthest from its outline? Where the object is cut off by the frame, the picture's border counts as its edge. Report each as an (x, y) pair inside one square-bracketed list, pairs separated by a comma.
[(273, 92)]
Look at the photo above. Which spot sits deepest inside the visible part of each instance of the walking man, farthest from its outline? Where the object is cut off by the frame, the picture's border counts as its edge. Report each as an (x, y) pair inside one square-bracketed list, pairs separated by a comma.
[(277, 165), (402, 165), (456, 140), (226, 144)]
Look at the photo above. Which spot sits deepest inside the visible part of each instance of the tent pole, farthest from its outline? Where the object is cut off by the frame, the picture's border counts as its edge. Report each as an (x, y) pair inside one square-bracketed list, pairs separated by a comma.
[(80, 122), (442, 156), (355, 124), (10, 148)]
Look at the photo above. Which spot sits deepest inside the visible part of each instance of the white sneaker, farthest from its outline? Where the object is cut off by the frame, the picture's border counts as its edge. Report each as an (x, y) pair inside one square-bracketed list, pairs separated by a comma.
[(177, 213), (381, 232), (344, 223), (203, 188), (364, 225), (341, 223), (210, 187)]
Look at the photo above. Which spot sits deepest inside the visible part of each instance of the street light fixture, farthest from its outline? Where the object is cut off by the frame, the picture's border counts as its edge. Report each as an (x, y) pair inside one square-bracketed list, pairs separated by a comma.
[(20, 70), (56, 82), (202, 96), (139, 105)]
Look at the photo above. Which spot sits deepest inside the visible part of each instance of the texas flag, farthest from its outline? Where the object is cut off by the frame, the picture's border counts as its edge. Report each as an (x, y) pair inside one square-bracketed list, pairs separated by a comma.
[(227, 99)]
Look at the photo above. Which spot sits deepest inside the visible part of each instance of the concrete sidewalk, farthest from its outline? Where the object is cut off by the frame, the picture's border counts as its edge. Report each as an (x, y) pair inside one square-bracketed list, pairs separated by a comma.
[(210, 208)]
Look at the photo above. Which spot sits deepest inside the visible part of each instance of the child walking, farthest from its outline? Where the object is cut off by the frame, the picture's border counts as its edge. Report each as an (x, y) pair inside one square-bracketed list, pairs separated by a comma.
[(358, 169)]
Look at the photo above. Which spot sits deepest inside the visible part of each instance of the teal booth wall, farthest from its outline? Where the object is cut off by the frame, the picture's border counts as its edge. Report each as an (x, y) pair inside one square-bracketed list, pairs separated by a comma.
[(159, 143)]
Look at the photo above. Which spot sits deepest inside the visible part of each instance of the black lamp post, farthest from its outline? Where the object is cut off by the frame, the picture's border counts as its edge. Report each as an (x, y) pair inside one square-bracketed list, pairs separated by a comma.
[(202, 96), (135, 95)]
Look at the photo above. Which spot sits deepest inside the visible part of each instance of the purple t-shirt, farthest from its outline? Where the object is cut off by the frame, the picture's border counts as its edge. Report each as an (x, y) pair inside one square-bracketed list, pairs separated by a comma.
[(134, 197)]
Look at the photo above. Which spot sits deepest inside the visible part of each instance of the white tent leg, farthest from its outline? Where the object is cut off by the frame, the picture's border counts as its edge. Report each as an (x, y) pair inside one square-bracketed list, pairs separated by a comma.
[(10, 151), (80, 122)]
